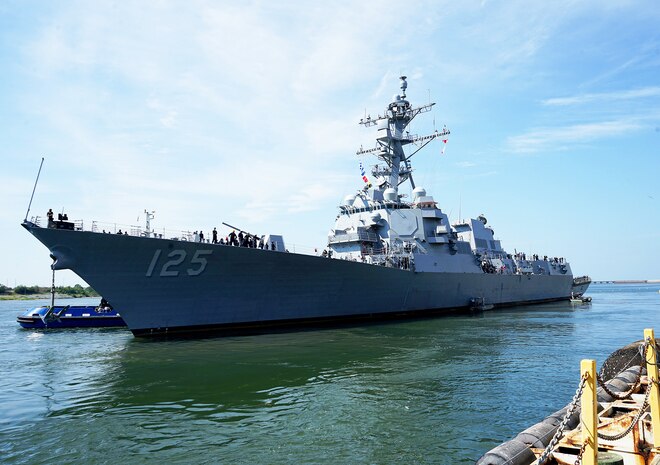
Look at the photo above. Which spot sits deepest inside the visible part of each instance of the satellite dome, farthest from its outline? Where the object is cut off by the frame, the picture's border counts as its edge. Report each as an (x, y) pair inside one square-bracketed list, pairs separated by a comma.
[(390, 195), (348, 200), (419, 192), (375, 217)]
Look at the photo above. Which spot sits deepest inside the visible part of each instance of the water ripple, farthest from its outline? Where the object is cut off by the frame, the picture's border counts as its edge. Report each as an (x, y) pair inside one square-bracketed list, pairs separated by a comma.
[(423, 391)]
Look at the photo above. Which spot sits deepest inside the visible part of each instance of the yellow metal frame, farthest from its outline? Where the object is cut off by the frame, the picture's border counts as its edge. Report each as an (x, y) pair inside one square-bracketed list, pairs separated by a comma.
[(652, 372), (589, 413)]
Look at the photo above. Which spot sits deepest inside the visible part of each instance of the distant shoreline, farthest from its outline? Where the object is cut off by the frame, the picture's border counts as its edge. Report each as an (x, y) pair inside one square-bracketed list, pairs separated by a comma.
[(40, 296), (69, 296)]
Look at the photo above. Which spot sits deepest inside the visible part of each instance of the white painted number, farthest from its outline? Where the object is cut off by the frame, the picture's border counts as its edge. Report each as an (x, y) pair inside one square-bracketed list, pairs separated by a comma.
[(200, 261), (177, 257), (181, 256), (150, 270)]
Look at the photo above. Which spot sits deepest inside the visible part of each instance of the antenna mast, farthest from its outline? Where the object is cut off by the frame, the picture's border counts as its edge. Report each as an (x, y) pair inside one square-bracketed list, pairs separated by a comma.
[(149, 217), (393, 137), (34, 189)]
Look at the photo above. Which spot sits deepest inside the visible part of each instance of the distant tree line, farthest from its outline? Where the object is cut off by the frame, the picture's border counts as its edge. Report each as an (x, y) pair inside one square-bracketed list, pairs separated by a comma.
[(73, 291), (27, 290), (77, 291)]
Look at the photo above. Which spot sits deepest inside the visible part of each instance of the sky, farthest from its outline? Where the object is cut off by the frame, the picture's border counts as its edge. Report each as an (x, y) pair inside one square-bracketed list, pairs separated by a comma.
[(246, 113)]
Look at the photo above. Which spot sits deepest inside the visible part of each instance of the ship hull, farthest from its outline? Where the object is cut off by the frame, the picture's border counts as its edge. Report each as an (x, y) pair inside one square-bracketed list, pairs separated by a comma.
[(580, 288), (165, 286)]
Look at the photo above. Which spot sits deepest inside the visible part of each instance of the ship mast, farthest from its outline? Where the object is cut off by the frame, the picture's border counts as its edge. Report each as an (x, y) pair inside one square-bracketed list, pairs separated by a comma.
[(148, 218), (392, 137)]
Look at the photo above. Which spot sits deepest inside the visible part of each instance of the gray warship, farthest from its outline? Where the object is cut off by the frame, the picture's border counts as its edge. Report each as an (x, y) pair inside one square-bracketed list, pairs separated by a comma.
[(386, 256)]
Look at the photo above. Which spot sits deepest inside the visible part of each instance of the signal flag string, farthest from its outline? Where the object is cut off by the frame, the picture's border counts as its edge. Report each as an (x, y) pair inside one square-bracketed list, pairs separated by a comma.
[(364, 176)]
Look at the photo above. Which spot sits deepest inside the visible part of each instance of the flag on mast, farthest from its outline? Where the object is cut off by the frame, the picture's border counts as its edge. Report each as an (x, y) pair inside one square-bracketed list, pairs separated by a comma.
[(364, 176), (444, 146)]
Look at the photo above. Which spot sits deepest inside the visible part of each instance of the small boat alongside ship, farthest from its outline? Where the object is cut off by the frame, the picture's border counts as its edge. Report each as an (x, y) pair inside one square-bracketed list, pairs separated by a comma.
[(478, 304), (580, 285), (70, 316)]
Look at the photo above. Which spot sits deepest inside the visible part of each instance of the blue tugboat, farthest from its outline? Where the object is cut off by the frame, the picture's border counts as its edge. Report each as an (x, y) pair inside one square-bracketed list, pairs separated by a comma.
[(71, 316)]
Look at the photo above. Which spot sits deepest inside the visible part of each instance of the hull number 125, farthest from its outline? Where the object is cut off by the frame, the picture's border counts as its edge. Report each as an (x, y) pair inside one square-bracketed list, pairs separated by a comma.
[(177, 263)]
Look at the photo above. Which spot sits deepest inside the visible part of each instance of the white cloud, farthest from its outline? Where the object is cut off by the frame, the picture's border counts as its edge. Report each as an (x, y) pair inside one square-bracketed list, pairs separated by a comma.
[(485, 174), (249, 111), (604, 96), (556, 137), (465, 164)]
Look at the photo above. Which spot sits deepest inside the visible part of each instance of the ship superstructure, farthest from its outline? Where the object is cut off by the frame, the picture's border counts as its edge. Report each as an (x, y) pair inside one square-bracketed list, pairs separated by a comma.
[(386, 256), (377, 226)]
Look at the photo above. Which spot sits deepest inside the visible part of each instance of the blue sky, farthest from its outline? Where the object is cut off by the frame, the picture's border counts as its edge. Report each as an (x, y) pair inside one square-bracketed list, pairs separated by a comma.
[(246, 112)]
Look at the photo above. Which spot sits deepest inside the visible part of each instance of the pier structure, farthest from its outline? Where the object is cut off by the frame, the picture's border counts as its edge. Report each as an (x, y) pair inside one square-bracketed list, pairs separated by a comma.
[(618, 421)]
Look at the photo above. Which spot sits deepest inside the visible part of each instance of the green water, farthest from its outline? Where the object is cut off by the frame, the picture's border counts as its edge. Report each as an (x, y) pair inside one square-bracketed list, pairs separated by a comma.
[(436, 391)]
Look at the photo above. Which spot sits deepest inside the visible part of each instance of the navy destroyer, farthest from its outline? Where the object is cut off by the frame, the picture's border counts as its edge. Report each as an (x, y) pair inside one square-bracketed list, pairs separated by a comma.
[(387, 255)]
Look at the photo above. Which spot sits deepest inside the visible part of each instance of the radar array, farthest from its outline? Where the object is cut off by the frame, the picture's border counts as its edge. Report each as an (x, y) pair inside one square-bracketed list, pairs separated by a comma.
[(392, 137)]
